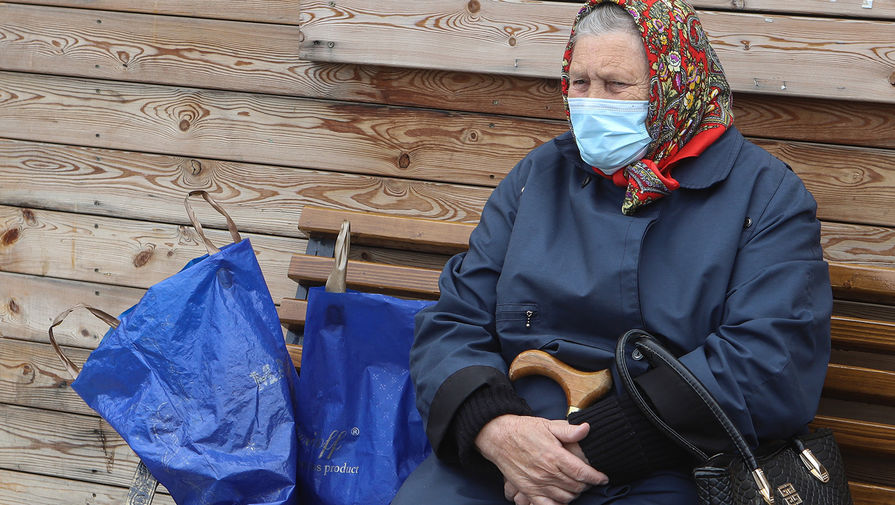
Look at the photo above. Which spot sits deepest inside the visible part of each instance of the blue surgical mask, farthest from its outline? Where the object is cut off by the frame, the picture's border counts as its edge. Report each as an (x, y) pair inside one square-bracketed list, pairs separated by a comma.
[(610, 133)]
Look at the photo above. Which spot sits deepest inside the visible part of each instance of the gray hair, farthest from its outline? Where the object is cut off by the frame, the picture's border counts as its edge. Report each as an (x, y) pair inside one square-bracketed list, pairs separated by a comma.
[(604, 18)]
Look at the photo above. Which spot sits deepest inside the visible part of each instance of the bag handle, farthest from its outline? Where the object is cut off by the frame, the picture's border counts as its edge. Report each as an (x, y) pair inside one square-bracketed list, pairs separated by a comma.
[(69, 365), (655, 353), (210, 247), (336, 281)]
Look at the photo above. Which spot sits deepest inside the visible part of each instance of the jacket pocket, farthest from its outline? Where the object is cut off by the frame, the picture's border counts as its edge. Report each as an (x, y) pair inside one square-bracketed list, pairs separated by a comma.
[(516, 318)]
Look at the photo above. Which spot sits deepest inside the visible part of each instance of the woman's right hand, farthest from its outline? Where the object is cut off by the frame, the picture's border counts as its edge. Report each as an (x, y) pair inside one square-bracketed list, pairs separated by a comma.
[(529, 453)]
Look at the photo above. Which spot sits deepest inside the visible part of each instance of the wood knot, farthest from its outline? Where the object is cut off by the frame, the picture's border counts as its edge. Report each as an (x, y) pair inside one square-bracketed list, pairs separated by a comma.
[(10, 237), (28, 216), (143, 258), (473, 136), (84, 332), (184, 125), (404, 160), (892, 79), (14, 307), (26, 369), (196, 167), (474, 6), (512, 41), (746, 44)]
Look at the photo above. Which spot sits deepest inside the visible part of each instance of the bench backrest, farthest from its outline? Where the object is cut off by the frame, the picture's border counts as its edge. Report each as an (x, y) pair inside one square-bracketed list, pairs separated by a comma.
[(865, 440)]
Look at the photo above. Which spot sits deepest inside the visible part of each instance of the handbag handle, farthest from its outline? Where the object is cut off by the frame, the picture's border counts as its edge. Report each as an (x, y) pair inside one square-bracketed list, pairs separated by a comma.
[(69, 365), (655, 353), (210, 247), (336, 281)]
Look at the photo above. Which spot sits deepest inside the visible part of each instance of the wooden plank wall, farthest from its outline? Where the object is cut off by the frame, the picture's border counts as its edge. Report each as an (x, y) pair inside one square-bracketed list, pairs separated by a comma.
[(111, 110)]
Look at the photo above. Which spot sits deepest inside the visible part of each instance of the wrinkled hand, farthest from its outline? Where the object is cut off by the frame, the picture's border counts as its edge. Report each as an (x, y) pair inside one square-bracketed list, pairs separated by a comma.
[(540, 459)]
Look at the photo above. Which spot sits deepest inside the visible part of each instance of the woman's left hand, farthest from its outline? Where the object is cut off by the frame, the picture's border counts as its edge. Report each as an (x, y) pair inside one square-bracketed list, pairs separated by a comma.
[(512, 493)]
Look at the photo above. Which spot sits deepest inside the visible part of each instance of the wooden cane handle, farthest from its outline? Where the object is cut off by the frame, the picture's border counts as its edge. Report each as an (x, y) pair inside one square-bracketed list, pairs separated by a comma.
[(582, 389)]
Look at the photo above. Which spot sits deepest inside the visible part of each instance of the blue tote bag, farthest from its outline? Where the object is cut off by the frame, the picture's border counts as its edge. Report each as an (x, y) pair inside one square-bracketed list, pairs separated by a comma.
[(360, 434), (197, 380)]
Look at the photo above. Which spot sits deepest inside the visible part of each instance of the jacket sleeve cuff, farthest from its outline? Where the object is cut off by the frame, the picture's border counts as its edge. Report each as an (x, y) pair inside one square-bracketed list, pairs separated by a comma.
[(623, 444), (448, 399), (486, 403)]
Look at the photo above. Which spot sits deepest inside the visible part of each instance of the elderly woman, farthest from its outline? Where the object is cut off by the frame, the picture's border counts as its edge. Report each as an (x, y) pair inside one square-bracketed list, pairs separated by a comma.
[(653, 212)]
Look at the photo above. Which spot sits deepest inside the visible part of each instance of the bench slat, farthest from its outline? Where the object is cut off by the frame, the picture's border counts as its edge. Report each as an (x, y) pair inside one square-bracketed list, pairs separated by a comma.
[(863, 283), (871, 494), (857, 333), (858, 383), (862, 435), (372, 277), (402, 232)]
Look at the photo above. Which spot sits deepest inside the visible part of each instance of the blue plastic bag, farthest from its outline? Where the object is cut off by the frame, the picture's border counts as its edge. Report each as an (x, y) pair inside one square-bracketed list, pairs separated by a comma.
[(360, 434), (197, 379)]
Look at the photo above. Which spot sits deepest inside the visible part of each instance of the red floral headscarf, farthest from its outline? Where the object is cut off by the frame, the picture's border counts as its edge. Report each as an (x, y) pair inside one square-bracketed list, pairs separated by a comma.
[(690, 103)]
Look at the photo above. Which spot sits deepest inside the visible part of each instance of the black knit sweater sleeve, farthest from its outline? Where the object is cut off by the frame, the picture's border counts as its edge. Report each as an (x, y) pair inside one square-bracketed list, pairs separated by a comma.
[(483, 405), (623, 444)]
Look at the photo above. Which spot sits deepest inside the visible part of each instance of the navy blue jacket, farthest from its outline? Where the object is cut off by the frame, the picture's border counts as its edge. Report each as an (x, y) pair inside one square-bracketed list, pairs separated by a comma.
[(728, 270)]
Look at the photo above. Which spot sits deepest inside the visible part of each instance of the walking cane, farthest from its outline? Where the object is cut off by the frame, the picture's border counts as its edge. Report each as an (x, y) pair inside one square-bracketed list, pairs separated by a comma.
[(582, 389)]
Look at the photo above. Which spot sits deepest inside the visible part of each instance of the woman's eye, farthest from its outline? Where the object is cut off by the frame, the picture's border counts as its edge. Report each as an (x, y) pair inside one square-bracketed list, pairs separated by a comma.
[(578, 82)]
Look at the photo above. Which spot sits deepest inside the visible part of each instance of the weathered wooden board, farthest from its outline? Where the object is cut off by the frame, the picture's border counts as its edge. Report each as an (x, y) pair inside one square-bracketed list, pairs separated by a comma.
[(264, 11), (64, 445), (29, 304), (31, 375), (122, 252), (399, 142), (761, 53), (17, 488), (260, 198), (858, 244), (846, 182), (147, 48), (880, 9)]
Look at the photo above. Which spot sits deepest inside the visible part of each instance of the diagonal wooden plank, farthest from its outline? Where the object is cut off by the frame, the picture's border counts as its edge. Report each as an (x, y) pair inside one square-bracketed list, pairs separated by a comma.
[(761, 53)]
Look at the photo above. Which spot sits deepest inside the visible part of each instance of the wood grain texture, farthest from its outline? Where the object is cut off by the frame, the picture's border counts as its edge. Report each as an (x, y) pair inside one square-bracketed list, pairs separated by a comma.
[(121, 252), (29, 304), (869, 245), (264, 11), (146, 48), (59, 444), (31, 375), (863, 283), (863, 334), (261, 198), (871, 494), (864, 435), (409, 233), (850, 184), (17, 488), (292, 311), (370, 277), (761, 53), (878, 10), (862, 310), (378, 140), (862, 384)]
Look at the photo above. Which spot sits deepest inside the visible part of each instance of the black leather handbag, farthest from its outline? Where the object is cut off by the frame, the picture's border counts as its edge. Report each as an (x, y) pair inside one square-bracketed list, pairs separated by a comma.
[(805, 469)]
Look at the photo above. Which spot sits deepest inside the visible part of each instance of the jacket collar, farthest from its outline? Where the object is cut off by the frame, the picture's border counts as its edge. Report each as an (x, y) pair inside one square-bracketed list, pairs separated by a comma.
[(707, 169)]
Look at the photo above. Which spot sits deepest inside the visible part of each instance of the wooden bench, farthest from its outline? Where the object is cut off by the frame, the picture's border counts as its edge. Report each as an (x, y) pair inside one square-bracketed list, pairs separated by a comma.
[(403, 256)]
